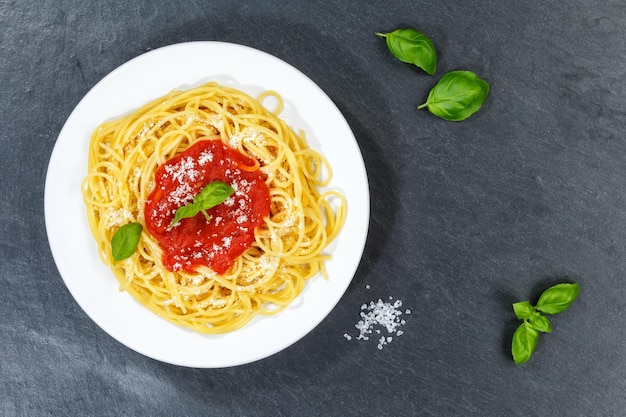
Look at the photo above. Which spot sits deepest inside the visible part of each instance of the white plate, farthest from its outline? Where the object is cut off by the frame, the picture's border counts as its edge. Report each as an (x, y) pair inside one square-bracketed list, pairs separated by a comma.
[(152, 75)]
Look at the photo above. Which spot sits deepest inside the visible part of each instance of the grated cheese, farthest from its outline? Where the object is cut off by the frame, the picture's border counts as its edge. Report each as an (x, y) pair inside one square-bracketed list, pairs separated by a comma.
[(118, 217), (205, 156), (183, 170)]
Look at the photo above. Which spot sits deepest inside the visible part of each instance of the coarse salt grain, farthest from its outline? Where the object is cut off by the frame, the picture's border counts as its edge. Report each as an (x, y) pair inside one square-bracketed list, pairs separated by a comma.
[(377, 316)]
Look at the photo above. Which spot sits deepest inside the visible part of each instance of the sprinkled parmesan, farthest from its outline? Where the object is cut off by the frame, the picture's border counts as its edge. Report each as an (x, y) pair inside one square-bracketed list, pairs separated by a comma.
[(197, 280), (145, 129), (181, 195), (213, 302), (117, 217), (268, 263), (183, 170), (205, 156), (377, 317), (233, 141), (217, 122), (246, 136)]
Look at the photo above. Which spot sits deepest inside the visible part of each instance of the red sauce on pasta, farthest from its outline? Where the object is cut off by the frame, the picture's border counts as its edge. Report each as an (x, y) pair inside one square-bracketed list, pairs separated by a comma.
[(230, 229)]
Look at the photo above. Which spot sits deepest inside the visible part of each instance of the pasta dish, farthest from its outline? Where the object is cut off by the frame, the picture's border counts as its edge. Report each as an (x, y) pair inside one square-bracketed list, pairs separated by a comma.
[(250, 254)]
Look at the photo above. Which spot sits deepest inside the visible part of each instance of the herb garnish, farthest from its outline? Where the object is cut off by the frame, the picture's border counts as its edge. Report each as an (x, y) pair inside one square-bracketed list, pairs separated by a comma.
[(552, 301), (412, 47), (125, 240), (457, 95), (211, 195)]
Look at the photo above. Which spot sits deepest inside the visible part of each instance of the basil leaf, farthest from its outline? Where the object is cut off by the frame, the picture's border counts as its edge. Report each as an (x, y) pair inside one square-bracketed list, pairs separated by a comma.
[(457, 95), (524, 343), (523, 310), (210, 196), (190, 210), (558, 298), (213, 194), (540, 323), (412, 47), (125, 240)]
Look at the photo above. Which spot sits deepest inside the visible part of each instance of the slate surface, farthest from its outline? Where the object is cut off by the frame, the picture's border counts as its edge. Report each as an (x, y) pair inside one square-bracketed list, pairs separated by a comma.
[(467, 218)]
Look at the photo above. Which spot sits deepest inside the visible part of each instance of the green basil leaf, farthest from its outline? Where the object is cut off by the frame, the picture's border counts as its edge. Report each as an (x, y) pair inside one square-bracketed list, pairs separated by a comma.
[(210, 196), (540, 323), (213, 194), (557, 298), (457, 95), (125, 240), (412, 47), (523, 310), (190, 210), (524, 343)]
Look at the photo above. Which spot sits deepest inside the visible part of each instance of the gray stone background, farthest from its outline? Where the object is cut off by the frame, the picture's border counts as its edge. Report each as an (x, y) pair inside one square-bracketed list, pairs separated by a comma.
[(467, 218)]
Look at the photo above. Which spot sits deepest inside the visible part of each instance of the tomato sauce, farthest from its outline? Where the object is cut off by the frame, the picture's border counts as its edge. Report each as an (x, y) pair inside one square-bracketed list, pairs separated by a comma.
[(230, 229)]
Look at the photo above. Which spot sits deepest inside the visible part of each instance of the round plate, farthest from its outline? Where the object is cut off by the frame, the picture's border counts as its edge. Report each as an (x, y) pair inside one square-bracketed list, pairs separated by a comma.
[(150, 76)]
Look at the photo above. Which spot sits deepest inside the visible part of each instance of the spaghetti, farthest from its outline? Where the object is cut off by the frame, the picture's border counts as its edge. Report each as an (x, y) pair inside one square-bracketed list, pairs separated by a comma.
[(287, 247)]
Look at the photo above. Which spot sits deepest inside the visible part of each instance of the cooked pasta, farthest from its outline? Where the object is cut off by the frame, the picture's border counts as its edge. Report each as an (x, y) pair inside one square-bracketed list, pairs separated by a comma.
[(286, 249)]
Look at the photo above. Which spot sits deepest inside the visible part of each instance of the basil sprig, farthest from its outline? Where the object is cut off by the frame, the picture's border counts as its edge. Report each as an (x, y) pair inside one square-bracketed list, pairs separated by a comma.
[(125, 241), (211, 195), (412, 47), (457, 95), (554, 300)]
